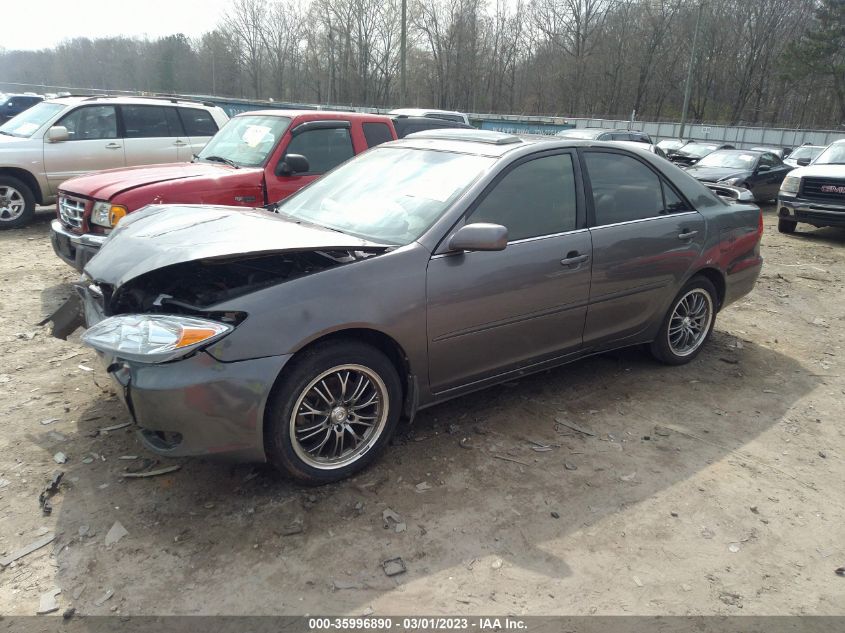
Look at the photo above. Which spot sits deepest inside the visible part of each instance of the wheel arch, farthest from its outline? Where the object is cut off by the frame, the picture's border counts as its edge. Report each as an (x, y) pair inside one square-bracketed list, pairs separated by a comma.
[(25, 177), (385, 343), (717, 278)]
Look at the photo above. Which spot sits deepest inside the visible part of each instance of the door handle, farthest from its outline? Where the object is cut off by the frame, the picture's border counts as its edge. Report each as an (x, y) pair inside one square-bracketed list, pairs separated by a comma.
[(687, 235), (180, 143), (113, 146), (573, 259)]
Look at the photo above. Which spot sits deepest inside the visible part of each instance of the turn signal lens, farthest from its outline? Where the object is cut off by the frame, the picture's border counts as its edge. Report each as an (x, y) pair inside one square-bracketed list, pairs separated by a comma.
[(116, 214)]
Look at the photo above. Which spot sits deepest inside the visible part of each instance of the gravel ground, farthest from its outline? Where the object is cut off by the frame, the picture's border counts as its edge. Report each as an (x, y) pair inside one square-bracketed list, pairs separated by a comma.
[(714, 488)]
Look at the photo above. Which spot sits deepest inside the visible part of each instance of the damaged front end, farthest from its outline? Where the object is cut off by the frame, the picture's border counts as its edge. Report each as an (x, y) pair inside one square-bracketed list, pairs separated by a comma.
[(153, 324)]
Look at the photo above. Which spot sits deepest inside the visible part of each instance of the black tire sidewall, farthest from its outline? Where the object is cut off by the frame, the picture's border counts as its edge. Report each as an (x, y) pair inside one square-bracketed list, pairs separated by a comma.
[(29, 203), (786, 226), (277, 439), (660, 346)]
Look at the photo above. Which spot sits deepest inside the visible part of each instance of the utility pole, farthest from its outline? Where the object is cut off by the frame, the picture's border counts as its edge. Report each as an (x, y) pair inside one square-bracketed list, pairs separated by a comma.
[(688, 87), (403, 86)]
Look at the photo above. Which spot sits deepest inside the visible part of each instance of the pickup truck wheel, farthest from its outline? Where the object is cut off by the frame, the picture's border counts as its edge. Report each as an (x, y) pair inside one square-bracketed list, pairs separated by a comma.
[(786, 226), (17, 204), (333, 412), (688, 323)]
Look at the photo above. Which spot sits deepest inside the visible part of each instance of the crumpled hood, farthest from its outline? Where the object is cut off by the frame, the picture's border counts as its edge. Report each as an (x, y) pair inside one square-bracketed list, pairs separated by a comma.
[(715, 174), (104, 185), (162, 235)]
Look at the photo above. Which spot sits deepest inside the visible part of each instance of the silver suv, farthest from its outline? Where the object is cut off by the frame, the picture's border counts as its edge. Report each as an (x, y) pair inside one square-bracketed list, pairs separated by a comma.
[(70, 136)]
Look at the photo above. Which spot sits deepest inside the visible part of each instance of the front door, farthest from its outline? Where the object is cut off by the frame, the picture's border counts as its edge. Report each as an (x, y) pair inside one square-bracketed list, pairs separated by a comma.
[(489, 312), (93, 144), (326, 144), (645, 240)]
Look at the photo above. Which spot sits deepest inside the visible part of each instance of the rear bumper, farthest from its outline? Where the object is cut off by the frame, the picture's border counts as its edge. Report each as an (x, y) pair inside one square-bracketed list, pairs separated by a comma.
[(815, 213), (73, 249), (199, 406)]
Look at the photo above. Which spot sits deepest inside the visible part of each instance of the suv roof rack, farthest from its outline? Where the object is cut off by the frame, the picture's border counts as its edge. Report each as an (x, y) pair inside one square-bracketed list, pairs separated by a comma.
[(170, 98), (476, 136)]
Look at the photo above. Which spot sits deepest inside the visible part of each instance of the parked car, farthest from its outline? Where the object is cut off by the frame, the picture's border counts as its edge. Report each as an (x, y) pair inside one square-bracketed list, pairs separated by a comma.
[(694, 151), (803, 156), (12, 105), (671, 144), (448, 115), (815, 194), (654, 149), (758, 171), (260, 157), (62, 138), (780, 152), (426, 268), (603, 134), (406, 125)]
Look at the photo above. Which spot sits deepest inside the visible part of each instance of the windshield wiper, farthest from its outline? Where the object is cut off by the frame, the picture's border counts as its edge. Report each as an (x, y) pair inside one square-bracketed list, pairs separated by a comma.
[(220, 159), (6, 133)]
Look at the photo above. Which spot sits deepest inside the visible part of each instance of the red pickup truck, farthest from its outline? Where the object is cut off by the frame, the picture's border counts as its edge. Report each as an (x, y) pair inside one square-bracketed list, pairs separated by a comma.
[(256, 159)]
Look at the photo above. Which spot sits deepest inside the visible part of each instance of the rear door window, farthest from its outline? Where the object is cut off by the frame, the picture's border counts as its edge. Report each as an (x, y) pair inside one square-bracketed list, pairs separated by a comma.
[(198, 122), (143, 121), (325, 149), (624, 189), (376, 133)]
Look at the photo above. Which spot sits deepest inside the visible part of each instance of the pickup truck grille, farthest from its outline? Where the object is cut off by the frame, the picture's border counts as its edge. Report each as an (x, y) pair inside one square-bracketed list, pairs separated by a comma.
[(71, 211), (827, 189)]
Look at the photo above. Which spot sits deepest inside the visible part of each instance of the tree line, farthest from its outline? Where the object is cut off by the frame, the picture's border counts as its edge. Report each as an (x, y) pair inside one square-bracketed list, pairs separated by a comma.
[(758, 62)]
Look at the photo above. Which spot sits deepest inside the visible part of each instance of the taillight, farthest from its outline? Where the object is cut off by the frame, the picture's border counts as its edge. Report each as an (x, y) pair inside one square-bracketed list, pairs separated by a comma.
[(760, 226)]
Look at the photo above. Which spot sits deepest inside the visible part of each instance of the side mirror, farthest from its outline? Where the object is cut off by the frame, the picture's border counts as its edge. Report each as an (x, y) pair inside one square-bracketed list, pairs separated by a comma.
[(803, 162), (479, 237), (57, 134), (292, 164), (763, 169)]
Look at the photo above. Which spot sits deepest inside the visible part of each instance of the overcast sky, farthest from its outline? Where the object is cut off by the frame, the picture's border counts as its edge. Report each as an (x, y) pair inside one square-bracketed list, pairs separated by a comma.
[(34, 24)]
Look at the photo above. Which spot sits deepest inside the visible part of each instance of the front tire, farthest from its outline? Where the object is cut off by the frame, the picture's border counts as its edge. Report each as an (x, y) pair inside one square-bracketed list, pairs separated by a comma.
[(17, 203), (688, 323), (333, 412), (787, 226)]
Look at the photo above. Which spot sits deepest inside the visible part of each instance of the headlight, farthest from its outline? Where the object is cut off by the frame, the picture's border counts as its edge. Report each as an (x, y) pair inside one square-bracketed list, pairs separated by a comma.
[(790, 184), (153, 338), (107, 214), (731, 181)]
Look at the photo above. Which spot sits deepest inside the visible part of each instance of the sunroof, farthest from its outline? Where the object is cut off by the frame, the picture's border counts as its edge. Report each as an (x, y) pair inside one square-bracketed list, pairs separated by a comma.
[(475, 136)]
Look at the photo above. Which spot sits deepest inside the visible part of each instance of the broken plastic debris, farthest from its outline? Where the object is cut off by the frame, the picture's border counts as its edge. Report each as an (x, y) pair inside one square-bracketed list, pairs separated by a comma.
[(60, 458), (48, 603), (394, 566), (35, 545), (152, 473), (114, 427), (423, 486), (116, 533), (85, 368)]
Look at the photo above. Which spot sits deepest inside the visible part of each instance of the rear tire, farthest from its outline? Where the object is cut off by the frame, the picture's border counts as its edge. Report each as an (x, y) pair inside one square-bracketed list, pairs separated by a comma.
[(333, 413), (787, 226), (17, 203), (688, 323)]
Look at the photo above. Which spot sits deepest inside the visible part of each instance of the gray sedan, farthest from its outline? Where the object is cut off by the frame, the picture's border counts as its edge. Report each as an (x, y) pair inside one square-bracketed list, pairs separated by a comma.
[(421, 270)]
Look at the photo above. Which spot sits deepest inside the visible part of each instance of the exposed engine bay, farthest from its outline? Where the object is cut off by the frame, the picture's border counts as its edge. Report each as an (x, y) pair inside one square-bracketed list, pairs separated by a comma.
[(191, 287)]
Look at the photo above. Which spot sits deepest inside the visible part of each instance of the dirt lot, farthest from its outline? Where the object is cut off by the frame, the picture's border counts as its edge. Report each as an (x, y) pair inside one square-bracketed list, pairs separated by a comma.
[(711, 488)]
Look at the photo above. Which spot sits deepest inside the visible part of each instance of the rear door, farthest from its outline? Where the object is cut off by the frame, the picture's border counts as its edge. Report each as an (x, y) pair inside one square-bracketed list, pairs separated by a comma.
[(199, 126), (645, 239), (489, 312), (94, 143), (153, 134), (326, 144)]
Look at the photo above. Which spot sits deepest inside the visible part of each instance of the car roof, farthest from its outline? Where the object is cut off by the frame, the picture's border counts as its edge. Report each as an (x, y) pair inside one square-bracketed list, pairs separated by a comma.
[(317, 115), (755, 150), (423, 111), (126, 100)]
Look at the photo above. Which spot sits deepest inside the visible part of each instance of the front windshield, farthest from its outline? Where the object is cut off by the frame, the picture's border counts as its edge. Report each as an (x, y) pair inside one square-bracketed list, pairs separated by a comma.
[(27, 122), (724, 158), (697, 150), (388, 195), (585, 134), (806, 152), (832, 155), (246, 140)]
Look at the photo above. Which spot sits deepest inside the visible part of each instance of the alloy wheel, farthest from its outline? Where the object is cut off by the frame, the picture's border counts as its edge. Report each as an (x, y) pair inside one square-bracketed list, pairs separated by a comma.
[(12, 204), (690, 322), (339, 416)]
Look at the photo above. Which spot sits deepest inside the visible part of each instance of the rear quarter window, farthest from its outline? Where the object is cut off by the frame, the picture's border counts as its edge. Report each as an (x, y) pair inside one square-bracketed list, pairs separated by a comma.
[(376, 133), (197, 122)]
